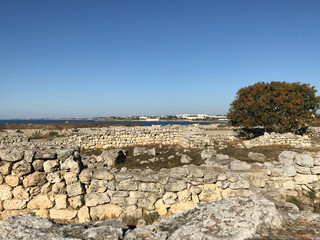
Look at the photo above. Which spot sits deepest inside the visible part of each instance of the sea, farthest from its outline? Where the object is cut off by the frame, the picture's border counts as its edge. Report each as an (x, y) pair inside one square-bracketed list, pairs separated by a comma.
[(144, 123)]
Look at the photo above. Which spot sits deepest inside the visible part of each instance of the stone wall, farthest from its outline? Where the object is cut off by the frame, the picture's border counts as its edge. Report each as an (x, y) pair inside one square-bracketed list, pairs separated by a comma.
[(269, 139), (54, 184), (313, 132), (113, 137)]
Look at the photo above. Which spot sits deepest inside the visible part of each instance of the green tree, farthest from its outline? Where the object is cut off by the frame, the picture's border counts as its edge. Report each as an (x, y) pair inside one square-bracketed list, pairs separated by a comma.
[(276, 106)]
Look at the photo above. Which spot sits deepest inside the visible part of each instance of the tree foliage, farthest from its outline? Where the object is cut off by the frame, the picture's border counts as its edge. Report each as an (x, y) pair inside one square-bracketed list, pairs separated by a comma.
[(276, 106)]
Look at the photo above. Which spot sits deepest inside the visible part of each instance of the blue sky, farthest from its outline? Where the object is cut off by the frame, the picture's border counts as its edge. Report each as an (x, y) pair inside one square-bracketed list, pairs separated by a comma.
[(145, 57)]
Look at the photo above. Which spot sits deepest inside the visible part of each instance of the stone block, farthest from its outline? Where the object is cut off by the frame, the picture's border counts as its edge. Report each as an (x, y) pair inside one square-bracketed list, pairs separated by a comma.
[(64, 214), (20, 193), (83, 215), (5, 192), (94, 199), (14, 204), (76, 202), (287, 157), (98, 186), (127, 185), (102, 174), (41, 201), (315, 170), (61, 201), (290, 170), (106, 211), (75, 189), (5, 168), (51, 166), (11, 155), (176, 186), (304, 160), (12, 180), (34, 179), (21, 168), (305, 179), (45, 155)]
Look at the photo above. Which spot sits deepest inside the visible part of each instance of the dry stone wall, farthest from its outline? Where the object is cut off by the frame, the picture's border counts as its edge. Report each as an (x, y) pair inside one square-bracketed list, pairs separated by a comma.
[(269, 139), (54, 184)]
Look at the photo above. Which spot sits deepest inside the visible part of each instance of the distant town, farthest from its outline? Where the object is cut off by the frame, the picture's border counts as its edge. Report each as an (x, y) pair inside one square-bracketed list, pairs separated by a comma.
[(179, 117)]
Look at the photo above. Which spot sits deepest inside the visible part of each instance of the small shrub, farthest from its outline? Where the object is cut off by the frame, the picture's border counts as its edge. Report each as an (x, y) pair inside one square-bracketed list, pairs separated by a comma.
[(151, 217), (53, 134), (295, 201)]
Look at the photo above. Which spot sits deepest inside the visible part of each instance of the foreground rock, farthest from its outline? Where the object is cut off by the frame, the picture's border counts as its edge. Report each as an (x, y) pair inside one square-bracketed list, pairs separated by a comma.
[(255, 218)]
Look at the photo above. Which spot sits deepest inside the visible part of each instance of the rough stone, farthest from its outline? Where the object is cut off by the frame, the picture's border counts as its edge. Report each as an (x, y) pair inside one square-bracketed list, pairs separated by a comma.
[(75, 189), (102, 174), (45, 155), (208, 153), (106, 211), (21, 168), (65, 214), (5, 192), (12, 180), (305, 179), (13, 204), (76, 202), (237, 165), (70, 165), (34, 179), (287, 157), (38, 165), (51, 166), (40, 202), (94, 199), (61, 201), (257, 156), (304, 160), (11, 155), (185, 159)]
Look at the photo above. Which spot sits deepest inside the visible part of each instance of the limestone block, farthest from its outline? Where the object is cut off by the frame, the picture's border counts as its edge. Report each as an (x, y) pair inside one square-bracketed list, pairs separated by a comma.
[(208, 153), (43, 213), (21, 168), (54, 177), (83, 215), (51, 166), (41, 201), (290, 170), (46, 188), (161, 207), (304, 160), (70, 165), (5, 168), (184, 196), (13, 204), (76, 202), (59, 188), (106, 211), (288, 185), (98, 186), (64, 214), (12, 180), (5, 192), (86, 175), (169, 198), (179, 173), (75, 189), (315, 170), (127, 185), (11, 155), (241, 184), (176, 186), (237, 165), (196, 189), (287, 157), (102, 174), (38, 165), (305, 179), (45, 155), (29, 155), (209, 193), (303, 170), (257, 156), (222, 156), (94, 199), (149, 187), (34, 179), (70, 177), (179, 206), (64, 154), (61, 201), (148, 201), (185, 159), (20, 193)]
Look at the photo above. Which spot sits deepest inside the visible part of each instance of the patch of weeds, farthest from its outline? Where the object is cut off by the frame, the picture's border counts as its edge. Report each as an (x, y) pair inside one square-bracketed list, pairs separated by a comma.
[(295, 201), (151, 217), (53, 134), (37, 135), (312, 195)]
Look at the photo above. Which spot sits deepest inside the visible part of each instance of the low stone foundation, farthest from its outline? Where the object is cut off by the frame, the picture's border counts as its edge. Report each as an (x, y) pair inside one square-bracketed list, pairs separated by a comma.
[(54, 184)]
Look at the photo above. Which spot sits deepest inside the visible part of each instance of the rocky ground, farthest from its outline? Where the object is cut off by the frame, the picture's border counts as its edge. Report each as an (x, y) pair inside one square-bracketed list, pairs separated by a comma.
[(254, 218)]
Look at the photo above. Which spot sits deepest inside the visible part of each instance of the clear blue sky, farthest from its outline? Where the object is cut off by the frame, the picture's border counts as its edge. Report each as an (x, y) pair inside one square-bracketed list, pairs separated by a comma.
[(134, 57)]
